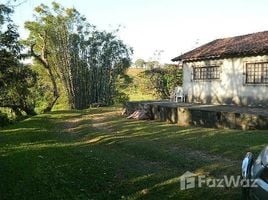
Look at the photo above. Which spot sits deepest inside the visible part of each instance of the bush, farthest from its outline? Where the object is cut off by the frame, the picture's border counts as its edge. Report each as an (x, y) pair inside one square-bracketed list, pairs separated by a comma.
[(162, 81), (121, 98), (3, 119)]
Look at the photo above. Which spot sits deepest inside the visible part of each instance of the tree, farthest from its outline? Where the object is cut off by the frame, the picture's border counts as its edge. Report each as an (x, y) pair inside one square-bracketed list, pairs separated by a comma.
[(108, 58), (40, 47), (16, 79), (140, 63), (87, 61), (152, 64), (53, 36)]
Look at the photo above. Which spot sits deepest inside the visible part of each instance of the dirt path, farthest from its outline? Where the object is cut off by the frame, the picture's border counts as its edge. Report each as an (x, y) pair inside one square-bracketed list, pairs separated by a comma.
[(71, 124), (103, 122)]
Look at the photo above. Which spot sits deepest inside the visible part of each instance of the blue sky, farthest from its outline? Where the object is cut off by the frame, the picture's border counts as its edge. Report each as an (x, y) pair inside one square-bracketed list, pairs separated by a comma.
[(174, 26)]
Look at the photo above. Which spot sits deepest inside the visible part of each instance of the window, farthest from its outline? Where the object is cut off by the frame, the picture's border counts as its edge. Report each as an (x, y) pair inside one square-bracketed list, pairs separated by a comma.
[(206, 73), (257, 73)]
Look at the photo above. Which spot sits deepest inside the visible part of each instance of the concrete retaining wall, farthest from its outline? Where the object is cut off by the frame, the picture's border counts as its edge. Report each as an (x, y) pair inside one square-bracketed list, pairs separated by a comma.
[(200, 115)]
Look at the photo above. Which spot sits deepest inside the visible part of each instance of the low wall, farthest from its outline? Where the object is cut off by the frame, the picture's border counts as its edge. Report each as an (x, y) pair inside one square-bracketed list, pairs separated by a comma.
[(201, 115)]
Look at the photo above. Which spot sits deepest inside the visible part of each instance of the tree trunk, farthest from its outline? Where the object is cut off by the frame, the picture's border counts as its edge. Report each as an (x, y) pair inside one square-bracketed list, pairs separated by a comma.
[(43, 60), (51, 104), (55, 91), (29, 111)]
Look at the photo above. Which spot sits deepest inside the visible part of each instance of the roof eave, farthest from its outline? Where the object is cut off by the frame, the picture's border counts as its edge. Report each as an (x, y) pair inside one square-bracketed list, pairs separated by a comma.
[(219, 56), (195, 59), (176, 59)]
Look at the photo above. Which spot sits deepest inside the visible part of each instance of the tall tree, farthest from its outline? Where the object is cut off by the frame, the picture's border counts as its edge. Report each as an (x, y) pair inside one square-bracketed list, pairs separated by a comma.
[(40, 46), (86, 60), (16, 79)]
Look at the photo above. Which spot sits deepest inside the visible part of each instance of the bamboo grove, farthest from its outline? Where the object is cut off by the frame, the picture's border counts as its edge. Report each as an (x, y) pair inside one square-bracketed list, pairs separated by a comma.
[(86, 61)]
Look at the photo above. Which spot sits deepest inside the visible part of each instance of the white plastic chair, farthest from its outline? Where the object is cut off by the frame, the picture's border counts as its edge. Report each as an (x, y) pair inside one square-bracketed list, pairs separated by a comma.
[(179, 94)]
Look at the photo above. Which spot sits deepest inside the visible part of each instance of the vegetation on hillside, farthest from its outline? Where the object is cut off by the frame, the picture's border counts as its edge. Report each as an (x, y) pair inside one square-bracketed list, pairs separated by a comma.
[(155, 83), (72, 63), (137, 89)]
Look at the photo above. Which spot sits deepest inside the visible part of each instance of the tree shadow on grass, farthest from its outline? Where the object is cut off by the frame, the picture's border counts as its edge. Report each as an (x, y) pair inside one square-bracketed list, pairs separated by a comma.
[(231, 143), (116, 158), (98, 172)]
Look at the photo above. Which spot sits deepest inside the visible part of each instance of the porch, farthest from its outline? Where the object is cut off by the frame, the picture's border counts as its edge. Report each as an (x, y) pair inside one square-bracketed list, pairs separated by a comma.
[(187, 114)]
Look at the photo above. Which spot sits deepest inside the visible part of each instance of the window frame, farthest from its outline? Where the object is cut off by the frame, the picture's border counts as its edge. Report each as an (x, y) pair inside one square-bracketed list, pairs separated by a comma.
[(262, 76), (206, 73)]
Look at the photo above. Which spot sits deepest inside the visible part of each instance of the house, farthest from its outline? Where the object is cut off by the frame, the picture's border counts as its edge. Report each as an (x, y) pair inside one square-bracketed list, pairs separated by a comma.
[(231, 71)]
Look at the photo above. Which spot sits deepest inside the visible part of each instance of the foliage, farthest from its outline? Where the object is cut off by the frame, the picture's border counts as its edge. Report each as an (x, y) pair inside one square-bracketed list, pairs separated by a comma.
[(16, 79), (163, 80), (123, 81), (120, 97), (43, 91), (140, 63), (136, 89), (152, 64), (87, 61), (4, 120)]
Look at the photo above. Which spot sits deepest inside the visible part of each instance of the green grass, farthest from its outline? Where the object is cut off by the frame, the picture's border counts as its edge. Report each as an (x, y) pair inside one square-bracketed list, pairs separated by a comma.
[(137, 91), (98, 154), (136, 95)]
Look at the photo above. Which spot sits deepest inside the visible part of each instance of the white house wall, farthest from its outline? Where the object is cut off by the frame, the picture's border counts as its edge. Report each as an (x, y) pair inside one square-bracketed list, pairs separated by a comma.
[(230, 88)]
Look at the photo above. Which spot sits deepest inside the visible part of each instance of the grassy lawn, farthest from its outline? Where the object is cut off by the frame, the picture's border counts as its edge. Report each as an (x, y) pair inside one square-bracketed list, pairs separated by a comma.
[(98, 154)]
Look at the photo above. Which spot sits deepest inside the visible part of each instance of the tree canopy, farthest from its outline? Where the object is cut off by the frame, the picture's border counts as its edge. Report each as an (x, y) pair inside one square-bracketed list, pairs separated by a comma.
[(140, 63), (16, 79), (87, 61), (72, 60)]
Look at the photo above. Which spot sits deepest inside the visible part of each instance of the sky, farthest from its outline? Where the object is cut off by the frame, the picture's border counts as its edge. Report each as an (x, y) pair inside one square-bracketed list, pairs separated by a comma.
[(171, 26)]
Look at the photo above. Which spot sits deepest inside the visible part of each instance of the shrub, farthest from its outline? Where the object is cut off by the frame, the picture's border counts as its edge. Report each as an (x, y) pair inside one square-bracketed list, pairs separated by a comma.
[(3, 119), (121, 98), (163, 80)]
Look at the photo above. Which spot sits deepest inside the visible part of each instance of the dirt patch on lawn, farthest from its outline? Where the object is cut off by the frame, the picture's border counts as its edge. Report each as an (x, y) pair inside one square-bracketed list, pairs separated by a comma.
[(102, 121)]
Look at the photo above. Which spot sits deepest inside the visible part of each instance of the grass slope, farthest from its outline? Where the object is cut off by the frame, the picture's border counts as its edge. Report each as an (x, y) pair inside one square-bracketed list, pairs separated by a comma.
[(97, 154), (137, 90)]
